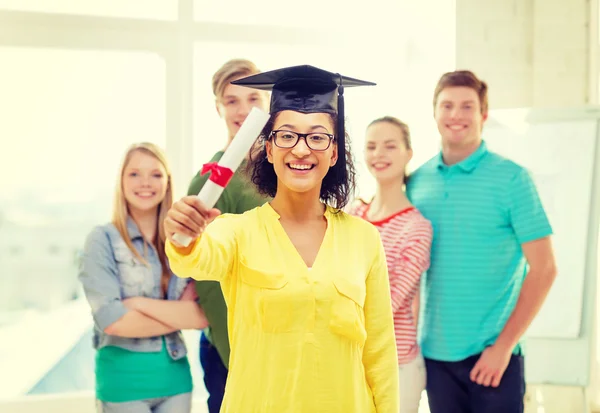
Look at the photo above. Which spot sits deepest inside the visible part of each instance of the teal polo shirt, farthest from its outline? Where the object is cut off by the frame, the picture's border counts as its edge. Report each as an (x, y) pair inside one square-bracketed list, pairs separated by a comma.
[(482, 210)]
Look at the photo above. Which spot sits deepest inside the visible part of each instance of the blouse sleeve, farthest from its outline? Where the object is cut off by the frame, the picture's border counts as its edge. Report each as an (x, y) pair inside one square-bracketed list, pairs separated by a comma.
[(209, 257), (380, 357), (409, 265)]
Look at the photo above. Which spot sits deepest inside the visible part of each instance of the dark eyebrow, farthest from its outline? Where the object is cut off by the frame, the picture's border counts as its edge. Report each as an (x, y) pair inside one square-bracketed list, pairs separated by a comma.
[(293, 128)]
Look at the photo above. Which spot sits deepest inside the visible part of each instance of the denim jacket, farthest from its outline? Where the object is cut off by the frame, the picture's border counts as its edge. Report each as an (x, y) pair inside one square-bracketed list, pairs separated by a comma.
[(110, 273)]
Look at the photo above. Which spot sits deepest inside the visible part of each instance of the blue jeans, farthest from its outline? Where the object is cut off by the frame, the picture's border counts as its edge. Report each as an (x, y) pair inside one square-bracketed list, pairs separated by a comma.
[(180, 403), (450, 389), (215, 374)]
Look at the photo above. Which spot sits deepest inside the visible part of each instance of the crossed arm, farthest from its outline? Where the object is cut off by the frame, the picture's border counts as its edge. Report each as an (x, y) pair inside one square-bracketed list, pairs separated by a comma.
[(179, 315), (149, 317), (136, 317)]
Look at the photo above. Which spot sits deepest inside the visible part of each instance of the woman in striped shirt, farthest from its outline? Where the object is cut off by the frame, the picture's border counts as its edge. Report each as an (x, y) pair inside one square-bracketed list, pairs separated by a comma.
[(406, 237)]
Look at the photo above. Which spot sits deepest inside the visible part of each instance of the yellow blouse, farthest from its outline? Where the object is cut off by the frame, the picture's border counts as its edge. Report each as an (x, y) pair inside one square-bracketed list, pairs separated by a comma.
[(302, 341)]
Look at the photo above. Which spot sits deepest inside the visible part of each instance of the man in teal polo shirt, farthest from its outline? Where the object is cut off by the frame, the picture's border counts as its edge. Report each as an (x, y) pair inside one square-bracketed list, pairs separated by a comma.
[(233, 105), (492, 263)]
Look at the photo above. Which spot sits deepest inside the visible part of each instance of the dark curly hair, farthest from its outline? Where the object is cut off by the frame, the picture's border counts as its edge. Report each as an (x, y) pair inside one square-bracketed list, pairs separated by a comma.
[(337, 187)]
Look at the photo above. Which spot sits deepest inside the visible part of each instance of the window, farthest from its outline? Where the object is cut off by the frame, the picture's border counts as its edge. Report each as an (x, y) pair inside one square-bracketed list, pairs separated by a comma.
[(72, 115), (268, 12), (155, 9)]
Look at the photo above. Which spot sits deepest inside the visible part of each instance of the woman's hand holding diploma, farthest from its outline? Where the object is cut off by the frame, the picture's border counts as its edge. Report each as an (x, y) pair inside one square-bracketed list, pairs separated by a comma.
[(188, 217)]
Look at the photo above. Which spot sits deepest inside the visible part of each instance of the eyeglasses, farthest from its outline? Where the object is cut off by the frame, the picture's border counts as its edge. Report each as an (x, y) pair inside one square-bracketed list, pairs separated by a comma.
[(287, 139)]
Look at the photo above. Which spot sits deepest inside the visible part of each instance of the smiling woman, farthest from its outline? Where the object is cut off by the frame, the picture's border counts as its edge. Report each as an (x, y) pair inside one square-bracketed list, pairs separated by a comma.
[(145, 182), (138, 307), (298, 155), (407, 237), (308, 298)]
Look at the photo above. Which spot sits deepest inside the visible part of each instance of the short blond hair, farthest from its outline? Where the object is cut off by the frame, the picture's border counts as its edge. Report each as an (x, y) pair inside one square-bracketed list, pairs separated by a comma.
[(231, 70)]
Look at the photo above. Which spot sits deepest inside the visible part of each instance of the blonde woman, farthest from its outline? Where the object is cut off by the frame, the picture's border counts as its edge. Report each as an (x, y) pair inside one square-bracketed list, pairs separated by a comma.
[(137, 304)]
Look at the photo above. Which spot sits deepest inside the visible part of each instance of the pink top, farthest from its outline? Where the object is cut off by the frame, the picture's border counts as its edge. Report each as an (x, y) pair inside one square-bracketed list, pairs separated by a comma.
[(406, 238)]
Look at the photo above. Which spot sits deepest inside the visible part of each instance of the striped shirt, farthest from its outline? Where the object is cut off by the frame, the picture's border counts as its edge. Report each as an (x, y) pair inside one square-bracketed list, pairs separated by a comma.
[(482, 210), (406, 238)]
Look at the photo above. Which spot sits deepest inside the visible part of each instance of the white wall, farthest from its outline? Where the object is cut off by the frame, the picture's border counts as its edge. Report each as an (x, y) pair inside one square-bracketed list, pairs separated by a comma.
[(532, 52), (535, 53)]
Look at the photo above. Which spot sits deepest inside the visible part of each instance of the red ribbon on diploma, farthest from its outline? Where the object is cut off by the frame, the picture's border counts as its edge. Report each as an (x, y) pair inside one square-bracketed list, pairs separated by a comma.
[(220, 175)]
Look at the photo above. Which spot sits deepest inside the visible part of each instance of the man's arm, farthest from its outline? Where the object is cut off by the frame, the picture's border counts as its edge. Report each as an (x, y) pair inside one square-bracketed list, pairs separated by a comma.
[(532, 230), (541, 276), (493, 362)]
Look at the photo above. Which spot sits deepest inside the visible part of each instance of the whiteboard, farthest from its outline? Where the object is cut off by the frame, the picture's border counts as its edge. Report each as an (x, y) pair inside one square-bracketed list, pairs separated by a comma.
[(562, 150), (558, 149)]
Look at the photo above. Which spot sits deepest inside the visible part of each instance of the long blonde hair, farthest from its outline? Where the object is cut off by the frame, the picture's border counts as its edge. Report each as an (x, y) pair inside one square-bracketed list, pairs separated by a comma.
[(121, 208)]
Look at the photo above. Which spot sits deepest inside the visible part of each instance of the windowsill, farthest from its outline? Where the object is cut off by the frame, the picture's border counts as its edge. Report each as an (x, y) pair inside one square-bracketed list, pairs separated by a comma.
[(30, 347)]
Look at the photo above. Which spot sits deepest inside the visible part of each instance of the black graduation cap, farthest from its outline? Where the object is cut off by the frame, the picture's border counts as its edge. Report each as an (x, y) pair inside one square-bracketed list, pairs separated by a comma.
[(306, 89)]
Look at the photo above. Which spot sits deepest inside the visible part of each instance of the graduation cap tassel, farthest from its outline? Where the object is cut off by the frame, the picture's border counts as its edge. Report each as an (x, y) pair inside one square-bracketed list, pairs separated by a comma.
[(341, 130)]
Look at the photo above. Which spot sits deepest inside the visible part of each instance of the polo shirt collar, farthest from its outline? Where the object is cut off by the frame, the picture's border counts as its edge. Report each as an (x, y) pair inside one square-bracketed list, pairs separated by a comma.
[(469, 163)]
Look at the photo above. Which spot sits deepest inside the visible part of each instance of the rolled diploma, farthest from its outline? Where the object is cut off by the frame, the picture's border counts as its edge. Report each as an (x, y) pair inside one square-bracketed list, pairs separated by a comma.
[(232, 158)]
